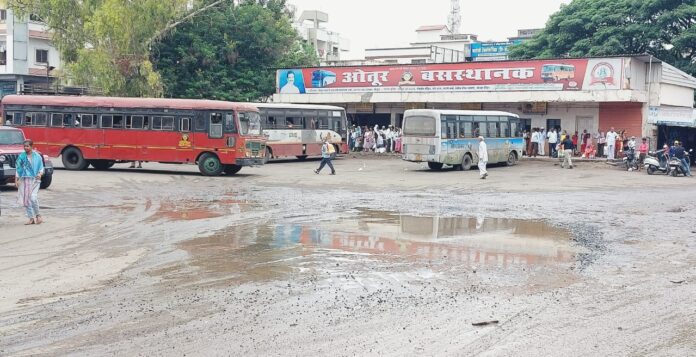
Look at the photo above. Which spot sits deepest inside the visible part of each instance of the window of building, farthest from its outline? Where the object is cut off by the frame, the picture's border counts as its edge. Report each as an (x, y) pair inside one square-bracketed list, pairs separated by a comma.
[(3, 15), (3, 56), (35, 18), (41, 56)]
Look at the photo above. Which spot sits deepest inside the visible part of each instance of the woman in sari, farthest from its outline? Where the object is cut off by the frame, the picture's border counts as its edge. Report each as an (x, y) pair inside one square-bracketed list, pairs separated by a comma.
[(30, 169)]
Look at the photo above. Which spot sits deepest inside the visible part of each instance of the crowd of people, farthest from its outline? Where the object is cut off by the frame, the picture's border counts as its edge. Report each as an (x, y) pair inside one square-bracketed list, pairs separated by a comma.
[(610, 145), (374, 139)]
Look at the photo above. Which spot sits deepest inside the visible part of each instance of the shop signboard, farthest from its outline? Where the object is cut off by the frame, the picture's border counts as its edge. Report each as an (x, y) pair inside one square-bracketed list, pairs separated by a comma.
[(482, 51), (533, 75), (672, 116)]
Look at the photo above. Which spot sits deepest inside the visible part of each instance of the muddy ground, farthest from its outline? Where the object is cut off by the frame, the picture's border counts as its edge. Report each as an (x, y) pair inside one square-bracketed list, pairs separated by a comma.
[(386, 258)]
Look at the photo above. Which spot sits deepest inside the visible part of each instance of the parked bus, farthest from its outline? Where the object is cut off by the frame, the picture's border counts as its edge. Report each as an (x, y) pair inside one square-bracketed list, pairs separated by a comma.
[(298, 130), (449, 137), (220, 137)]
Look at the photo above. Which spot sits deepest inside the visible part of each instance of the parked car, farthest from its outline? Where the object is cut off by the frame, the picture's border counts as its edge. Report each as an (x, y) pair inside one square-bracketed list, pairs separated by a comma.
[(11, 145)]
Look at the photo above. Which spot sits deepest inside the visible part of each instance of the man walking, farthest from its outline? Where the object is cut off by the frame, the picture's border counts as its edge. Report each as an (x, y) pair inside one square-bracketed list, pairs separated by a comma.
[(483, 158), (30, 169), (535, 143), (567, 146), (542, 142), (327, 153), (611, 144)]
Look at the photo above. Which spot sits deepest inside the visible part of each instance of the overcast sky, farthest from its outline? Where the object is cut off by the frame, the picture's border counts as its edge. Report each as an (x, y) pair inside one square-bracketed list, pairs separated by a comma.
[(387, 23)]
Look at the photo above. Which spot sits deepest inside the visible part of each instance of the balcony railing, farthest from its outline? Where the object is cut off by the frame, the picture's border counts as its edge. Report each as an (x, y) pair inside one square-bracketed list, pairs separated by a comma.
[(48, 89)]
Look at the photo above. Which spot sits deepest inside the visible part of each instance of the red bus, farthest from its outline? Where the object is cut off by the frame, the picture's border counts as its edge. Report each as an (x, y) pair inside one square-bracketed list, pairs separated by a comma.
[(220, 137)]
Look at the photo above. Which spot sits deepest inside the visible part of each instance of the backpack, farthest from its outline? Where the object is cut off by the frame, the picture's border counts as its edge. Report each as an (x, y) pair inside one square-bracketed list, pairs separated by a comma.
[(331, 149)]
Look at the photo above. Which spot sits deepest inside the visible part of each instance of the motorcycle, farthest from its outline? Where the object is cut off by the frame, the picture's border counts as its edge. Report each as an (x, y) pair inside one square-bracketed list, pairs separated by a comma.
[(654, 164), (630, 160), (675, 165)]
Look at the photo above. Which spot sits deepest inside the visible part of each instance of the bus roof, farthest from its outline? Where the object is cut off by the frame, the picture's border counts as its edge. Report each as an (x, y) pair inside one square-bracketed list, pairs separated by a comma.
[(296, 106), (124, 102), (459, 112)]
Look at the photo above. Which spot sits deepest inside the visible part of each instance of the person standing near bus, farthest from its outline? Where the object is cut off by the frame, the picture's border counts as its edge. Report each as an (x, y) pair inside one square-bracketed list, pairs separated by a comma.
[(327, 153), (567, 146), (535, 143), (483, 158), (611, 143), (30, 169)]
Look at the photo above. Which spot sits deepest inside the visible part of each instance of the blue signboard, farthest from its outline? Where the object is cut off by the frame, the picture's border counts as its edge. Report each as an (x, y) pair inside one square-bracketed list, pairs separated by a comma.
[(491, 49)]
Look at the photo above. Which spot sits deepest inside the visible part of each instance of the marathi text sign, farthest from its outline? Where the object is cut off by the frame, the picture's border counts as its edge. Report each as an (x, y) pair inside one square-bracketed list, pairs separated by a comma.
[(538, 75)]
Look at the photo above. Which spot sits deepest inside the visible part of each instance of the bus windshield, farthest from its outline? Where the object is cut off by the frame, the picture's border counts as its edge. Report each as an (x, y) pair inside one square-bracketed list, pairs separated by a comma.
[(250, 123), (419, 125)]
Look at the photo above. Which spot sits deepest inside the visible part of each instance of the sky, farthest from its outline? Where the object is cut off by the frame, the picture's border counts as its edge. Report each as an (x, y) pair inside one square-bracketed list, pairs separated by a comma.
[(390, 23)]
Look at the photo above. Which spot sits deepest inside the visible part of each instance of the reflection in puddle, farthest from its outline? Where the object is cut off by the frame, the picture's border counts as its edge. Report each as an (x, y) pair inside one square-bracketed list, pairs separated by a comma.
[(191, 210), (263, 252)]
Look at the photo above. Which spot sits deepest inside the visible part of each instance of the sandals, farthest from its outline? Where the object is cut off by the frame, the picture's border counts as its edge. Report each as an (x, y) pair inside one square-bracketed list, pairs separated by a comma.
[(39, 220), (31, 221)]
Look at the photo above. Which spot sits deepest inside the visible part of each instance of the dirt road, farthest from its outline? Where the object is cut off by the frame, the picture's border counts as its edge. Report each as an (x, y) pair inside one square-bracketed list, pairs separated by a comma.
[(386, 258)]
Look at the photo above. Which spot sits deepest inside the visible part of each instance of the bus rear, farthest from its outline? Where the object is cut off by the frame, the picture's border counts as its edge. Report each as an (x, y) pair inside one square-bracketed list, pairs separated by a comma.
[(421, 142)]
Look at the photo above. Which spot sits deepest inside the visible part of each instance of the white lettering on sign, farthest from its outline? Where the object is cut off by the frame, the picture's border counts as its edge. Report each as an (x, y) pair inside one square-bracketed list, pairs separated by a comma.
[(377, 79), (486, 74)]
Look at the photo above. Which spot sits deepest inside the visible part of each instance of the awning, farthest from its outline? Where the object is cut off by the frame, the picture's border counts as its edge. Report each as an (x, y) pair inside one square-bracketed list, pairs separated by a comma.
[(672, 116)]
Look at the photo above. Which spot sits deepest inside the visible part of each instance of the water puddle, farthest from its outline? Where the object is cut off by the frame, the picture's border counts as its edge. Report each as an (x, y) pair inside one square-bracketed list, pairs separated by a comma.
[(252, 253), (197, 209)]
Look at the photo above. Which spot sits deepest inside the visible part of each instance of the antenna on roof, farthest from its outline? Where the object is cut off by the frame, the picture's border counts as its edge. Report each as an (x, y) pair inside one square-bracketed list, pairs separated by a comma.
[(454, 20)]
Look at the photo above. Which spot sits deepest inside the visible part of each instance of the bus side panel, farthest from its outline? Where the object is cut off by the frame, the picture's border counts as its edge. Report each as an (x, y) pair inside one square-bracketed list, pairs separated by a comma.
[(453, 150), (89, 141), (162, 146), (120, 145), (286, 150)]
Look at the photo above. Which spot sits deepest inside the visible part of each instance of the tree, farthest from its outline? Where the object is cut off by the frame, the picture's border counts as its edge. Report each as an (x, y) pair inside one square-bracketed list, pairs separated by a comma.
[(663, 28), (231, 53), (106, 43)]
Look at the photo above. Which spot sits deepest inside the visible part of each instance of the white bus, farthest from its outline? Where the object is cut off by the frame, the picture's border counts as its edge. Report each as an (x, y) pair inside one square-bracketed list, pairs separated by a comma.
[(297, 130), (449, 137)]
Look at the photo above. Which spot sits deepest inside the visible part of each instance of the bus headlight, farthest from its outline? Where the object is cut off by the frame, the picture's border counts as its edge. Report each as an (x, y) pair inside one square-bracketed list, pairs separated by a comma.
[(3, 158)]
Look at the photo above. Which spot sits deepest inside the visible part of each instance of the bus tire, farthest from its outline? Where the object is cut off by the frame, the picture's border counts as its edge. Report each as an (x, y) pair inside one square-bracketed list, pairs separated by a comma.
[(46, 181), (102, 165), (210, 165), (231, 170), (467, 162), (302, 157), (512, 159), (73, 159), (435, 166)]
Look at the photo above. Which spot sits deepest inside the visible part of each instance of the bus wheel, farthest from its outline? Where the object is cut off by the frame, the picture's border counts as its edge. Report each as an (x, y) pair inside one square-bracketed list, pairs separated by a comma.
[(73, 159), (302, 157), (466, 163), (230, 170), (102, 165), (512, 159), (210, 165), (435, 166)]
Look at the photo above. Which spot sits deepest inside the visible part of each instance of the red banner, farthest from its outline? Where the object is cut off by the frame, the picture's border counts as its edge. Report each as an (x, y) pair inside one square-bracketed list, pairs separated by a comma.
[(553, 75)]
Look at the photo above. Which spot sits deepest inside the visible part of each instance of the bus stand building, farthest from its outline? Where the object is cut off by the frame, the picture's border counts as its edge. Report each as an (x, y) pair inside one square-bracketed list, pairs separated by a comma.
[(638, 93)]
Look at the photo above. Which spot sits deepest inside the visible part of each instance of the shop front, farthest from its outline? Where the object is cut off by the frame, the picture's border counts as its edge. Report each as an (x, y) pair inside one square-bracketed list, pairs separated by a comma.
[(593, 94)]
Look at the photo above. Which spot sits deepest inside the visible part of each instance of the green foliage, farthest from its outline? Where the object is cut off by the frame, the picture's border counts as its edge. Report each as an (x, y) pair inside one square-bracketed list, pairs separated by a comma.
[(105, 43), (231, 53), (663, 28)]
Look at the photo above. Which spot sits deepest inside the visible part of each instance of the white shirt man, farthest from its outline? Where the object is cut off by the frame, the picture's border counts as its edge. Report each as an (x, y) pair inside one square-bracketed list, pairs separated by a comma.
[(483, 158), (553, 140), (611, 144), (542, 142)]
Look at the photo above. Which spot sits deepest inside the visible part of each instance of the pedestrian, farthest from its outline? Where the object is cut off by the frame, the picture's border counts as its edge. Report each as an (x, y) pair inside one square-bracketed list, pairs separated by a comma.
[(574, 138), (535, 142), (601, 142), (482, 158), (642, 153), (542, 142), (567, 146), (553, 140), (525, 149), (30, 169), (611, 144), (140, 164), (327, 154)]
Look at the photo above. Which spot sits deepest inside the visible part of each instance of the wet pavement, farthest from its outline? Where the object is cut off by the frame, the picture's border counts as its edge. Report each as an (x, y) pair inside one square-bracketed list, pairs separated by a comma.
[(170, 264)]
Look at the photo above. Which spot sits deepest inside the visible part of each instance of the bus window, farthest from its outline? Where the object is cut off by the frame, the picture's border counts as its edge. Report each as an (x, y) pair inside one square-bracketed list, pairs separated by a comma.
[(36, 119), (199, 123), (118, 121), (163, 123), (107, 121), (504, 130), (14, 119), (493, 130), (215, 130), (515, 128), (466, 129), (185, 125), (481, 129), (271, 123), (134, 122), (230, 126), (250, 123), (86, 121), (57, 120)]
